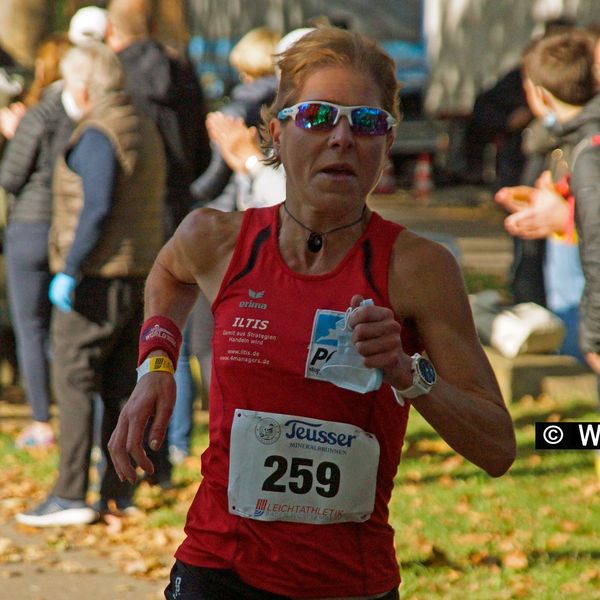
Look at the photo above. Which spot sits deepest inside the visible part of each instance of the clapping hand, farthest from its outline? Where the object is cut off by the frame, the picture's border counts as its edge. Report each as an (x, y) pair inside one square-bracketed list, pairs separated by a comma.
[(237, 143), (536, 212)]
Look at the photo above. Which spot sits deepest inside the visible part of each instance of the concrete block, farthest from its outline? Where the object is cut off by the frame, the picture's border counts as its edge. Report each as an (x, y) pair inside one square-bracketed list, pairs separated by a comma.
[(533, 374)]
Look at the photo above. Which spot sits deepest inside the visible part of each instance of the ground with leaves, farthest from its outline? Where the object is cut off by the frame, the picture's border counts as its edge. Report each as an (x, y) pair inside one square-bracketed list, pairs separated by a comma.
[(530, 534), (109, 560)]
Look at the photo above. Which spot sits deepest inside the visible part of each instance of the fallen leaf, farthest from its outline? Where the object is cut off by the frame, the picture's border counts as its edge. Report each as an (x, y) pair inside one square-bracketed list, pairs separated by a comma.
[(484, 559), (135, 567), (570, 526), (472, 539), (521, 587), (10, 574), (515, 560), (557, 540), (446, 481), (452, 463), (590, 575), (71, 566)]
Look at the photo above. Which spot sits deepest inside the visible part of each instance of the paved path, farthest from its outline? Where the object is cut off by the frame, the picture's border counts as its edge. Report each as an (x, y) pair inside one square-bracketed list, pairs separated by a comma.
[(49, 573)]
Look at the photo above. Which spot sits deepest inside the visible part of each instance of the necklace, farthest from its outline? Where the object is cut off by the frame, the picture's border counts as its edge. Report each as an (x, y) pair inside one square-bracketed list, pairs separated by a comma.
[(315, 239)]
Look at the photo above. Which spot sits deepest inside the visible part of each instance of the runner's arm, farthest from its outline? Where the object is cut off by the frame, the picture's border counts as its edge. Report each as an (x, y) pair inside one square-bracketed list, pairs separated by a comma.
[(465, 406), (197, 254)]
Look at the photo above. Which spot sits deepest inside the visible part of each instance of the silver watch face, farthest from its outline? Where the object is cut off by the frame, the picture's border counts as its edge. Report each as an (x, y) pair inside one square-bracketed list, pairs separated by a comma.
[(426, 371)]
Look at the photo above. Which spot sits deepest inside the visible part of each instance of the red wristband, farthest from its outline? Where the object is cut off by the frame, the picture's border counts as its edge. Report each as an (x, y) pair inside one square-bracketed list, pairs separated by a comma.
[(159, 333)]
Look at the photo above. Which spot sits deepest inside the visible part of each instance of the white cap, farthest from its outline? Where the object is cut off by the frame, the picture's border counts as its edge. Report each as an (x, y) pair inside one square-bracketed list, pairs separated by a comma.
[(289, 39), (88, 24)]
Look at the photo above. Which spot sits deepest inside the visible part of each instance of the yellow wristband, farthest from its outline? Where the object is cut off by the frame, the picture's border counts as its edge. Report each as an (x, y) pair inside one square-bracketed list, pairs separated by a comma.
[(155, 363)]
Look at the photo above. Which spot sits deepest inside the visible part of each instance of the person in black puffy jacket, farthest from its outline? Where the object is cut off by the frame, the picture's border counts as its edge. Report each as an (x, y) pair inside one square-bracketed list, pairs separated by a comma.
[(26, 175)]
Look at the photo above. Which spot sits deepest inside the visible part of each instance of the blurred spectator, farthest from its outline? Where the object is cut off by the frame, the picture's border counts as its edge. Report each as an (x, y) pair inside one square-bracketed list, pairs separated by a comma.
[(561, 88), (528, 275), (106, 231), (564, 79), (26, 175), (500, 114), (253, 58), (9, 87), (257, 184), (563, 279), (87, 24), (500, 117), (164, 87)]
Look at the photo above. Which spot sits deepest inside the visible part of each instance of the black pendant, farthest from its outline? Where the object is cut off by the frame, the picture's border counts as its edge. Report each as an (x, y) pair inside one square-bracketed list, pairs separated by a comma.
[(315, 241)]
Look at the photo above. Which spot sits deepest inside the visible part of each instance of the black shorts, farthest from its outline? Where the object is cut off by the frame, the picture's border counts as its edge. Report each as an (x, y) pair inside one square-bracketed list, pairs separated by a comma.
[(199, 583)]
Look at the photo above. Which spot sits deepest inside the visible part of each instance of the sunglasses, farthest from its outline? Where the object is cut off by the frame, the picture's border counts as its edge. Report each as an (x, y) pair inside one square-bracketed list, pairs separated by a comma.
[(323, 116)]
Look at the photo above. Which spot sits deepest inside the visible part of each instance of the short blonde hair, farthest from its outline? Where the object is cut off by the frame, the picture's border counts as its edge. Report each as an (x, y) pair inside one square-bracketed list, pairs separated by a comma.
[(96, 66), (253, 55)]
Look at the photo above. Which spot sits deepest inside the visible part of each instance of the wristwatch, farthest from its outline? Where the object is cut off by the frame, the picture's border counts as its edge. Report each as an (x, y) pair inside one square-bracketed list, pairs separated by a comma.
[(424, 378)]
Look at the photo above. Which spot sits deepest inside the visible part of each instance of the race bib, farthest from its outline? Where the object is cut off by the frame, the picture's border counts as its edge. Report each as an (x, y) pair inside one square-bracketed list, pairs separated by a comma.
[(290, 468)]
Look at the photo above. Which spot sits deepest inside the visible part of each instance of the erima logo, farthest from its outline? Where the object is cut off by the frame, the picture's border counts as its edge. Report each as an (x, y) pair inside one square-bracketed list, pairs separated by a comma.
[(251, 303)]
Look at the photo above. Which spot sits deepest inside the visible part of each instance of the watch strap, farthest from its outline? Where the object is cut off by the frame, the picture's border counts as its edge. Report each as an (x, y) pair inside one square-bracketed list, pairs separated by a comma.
[(418, 387)]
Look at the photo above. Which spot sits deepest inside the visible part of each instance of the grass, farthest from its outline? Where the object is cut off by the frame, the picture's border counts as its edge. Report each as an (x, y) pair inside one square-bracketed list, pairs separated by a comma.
[(459, 533), (477, 281), (530, 534)]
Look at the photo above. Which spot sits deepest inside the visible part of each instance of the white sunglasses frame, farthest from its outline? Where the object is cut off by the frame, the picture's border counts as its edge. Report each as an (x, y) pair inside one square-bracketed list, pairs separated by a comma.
[(342, 111)]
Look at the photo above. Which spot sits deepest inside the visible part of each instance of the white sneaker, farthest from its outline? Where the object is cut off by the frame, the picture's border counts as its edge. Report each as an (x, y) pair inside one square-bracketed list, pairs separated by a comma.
[(58, 512)]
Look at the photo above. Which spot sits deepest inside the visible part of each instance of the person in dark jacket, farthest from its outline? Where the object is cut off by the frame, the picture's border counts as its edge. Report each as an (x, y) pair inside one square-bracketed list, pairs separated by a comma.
[(26, 174), (164, 87), (253, 58)]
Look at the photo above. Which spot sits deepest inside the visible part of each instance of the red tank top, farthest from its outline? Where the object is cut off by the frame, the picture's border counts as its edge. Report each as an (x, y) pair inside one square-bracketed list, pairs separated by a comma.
[(264, 315)]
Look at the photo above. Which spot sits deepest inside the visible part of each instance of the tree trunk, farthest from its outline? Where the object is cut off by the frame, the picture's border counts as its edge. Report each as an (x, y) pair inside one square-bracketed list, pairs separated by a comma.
[(172, 28), (23, 23)]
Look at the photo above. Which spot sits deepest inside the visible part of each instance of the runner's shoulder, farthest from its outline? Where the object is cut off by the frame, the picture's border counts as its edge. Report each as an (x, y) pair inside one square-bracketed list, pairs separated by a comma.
[(210, 229)]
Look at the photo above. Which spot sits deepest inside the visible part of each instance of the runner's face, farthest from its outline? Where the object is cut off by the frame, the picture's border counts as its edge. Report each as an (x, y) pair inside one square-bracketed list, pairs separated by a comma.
[(335, 165)]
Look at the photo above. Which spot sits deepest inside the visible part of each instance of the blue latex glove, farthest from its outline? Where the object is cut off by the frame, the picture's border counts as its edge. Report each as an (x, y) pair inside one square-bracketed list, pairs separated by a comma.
[(61, 291)]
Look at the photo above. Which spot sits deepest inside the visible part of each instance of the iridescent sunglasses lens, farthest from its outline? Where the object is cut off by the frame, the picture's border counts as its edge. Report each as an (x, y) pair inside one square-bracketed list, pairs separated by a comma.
[(369, 121), (313, 115), (366, 120)]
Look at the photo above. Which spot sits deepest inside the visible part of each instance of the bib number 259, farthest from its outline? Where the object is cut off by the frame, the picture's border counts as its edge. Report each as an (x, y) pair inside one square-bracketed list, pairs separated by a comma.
[(301, 476)]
